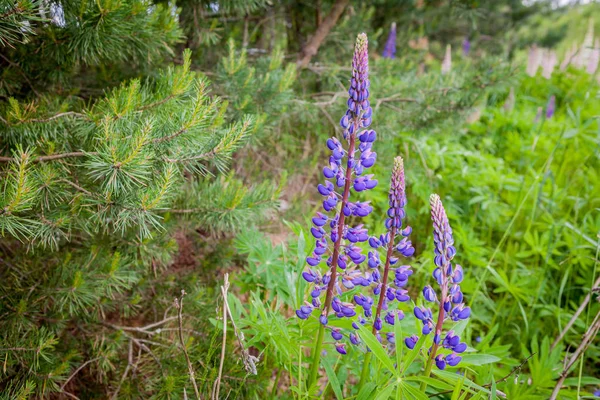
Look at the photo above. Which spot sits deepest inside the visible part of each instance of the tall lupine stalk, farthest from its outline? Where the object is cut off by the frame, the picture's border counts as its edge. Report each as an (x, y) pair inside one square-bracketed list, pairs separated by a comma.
[(389, 51), (448, 278), (387, 294), (344, 238)]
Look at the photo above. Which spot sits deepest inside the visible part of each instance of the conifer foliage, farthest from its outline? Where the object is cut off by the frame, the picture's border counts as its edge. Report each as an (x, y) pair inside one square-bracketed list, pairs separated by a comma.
[(106, 156)]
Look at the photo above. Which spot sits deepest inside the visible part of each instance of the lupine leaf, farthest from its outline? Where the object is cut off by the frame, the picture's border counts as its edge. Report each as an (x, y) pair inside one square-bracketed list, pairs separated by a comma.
[(413, 354), (479, 359), (376, 348), (453, 378), (414, 392), (387, 391), (366, 391), (333, 379)]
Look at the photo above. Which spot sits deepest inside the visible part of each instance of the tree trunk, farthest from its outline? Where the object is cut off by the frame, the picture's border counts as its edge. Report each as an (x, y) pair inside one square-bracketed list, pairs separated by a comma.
[(312, 46)]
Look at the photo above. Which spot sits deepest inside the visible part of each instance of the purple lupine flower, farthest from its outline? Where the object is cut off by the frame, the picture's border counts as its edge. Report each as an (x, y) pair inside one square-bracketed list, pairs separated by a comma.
[(466, 46), (389, 51), (448, 277), (551, 107), (411, 341), (393, 223), (335, 241)]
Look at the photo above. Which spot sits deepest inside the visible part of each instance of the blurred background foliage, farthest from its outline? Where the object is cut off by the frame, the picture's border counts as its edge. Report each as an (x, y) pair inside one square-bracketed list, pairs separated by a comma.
[(96, 246)]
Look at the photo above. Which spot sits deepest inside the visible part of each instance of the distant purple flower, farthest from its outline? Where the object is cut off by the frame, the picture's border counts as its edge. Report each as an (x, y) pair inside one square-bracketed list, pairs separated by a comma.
[(336, 243), (551, 107), (389, 51), (596, 393), (466, 46)]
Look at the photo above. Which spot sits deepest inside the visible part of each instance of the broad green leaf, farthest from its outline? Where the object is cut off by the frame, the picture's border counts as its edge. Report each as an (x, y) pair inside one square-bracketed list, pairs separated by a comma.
[(333, 379), (376, 348)]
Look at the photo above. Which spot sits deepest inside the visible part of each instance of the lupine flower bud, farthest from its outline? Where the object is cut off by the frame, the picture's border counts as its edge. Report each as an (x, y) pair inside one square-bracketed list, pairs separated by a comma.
[(389, 51), (440, 362), (429, 294), (341, 348), (411, 341)]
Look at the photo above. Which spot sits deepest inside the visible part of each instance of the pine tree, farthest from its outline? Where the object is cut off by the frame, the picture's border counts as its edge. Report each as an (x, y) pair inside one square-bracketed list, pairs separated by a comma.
[(106, 154)]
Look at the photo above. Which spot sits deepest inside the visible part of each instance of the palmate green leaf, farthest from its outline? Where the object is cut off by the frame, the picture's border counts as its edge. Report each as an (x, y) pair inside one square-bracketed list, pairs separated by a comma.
[(387, 391), (479, 359), (413, 392), (457, 389), (366, 390), (453, 378), (376, 348), (413, 354), (431, 381), (333, 379)]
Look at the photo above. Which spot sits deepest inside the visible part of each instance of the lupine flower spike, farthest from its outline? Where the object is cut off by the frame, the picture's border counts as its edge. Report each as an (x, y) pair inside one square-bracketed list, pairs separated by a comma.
[(336, 242), (447, 61), (396, 291), (551, 107), (450, 300), (389, 51), (466, 46)]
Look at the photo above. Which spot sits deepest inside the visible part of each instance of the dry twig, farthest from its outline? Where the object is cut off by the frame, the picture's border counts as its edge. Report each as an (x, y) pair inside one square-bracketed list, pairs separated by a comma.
[(587, 338), (179, 306)]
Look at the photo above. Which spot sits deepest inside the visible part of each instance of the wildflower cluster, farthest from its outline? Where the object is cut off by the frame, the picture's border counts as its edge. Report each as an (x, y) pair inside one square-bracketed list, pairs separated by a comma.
[(340, 244)]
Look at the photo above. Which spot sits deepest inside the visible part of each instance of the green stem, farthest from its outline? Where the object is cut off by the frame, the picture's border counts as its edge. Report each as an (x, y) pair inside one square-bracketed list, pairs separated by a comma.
[(427, 373), (314, 368), (365, 370)]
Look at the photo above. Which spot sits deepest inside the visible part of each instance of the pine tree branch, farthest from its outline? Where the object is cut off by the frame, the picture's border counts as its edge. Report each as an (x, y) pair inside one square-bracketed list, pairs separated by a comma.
[(206, 155), (23, 74), (156, 103), (52, 157), (76, 186), (82, 366), (172, 136)]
